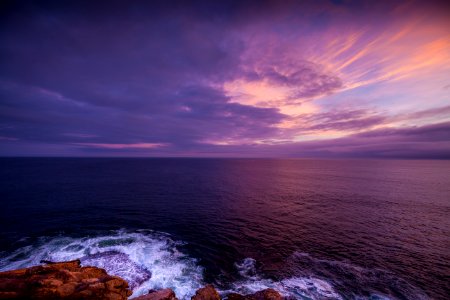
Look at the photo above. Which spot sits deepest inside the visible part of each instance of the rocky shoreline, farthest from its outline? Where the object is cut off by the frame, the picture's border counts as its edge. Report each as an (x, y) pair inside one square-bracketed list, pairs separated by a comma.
[(69, 280)]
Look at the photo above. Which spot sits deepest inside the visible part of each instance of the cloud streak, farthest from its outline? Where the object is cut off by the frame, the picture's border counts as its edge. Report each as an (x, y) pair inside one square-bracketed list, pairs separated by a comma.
[(171, 79)]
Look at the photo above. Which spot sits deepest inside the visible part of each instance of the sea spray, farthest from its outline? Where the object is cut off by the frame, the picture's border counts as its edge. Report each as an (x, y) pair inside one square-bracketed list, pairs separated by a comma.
[(146, 259)]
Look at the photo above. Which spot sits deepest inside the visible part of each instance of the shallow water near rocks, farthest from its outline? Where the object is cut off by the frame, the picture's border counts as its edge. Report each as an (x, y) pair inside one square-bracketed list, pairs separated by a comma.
[(312, 229)]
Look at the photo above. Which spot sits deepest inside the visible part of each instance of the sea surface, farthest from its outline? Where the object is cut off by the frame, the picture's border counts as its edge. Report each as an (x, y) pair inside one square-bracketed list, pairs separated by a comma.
[(312, 229)]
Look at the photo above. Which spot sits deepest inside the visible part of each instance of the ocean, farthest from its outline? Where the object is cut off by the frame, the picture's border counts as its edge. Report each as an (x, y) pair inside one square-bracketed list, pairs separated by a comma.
[(310, 228)]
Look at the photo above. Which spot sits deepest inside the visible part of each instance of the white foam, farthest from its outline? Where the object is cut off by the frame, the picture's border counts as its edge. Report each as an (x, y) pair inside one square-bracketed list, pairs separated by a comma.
[(247, 268), (129, 255), (295, 287), (362, 276), (151, 260)]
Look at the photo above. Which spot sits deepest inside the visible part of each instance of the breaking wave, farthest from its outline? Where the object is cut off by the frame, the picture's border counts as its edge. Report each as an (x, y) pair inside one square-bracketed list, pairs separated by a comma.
[(293, 287), (152, 260), (146, 259), (343, 281), (355, 282)]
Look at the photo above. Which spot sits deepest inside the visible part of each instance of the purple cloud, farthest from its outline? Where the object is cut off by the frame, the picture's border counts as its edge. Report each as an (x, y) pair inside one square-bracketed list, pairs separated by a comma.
[(79, 78), (340, 120), (431, 141), (122, 76), (305, 78)]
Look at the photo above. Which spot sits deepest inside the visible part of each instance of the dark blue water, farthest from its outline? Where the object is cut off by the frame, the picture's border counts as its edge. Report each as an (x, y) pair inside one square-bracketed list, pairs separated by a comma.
[(313, 229)]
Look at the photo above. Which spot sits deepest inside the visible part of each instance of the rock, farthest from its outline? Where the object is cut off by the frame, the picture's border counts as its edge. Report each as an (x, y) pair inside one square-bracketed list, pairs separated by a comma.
[(69, 280), (235, 296), (65, 280), (165, 294), (67, 289), (123, 266), (267, 294), (206, 293)]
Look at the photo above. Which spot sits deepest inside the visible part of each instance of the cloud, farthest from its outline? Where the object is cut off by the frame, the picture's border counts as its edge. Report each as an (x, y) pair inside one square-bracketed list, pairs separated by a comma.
[(122, 146), (432, 113), (421, 142), (88, 78), (304, 79), (341, 120), (28, 114), (431, 141)]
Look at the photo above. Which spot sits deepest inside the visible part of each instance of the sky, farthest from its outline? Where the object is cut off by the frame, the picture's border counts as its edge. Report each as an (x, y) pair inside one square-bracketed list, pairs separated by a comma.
[(225, 78)]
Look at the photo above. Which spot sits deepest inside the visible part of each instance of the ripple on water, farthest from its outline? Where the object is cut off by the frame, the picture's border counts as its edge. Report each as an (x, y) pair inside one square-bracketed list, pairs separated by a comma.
[(152, 260)]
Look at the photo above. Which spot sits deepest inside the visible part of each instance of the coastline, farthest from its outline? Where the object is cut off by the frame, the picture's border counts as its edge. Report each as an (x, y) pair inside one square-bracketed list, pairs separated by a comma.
[(70, 280)]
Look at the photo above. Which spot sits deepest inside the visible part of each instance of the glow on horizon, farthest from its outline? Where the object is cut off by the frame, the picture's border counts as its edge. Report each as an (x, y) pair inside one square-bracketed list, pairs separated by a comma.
[(236, 80), (122, 146)]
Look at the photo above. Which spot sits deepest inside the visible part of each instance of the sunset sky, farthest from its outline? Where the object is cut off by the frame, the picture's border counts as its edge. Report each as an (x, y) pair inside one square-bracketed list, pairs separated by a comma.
[(225, 78)]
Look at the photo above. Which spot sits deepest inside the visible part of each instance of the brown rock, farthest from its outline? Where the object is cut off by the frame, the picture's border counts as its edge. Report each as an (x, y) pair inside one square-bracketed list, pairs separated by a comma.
[(71, 265), (93, 272), (9, 295), (206, 293), (267, 294), (66, 289), (115, 285), (165, 294), (89, 280), (113, 296), (85, 294), (97, 286), (66, 275), (234, 296), (66, 280), (51, 282)]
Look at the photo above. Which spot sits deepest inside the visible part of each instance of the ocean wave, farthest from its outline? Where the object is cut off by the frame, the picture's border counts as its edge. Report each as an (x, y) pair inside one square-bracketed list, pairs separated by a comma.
[(146, 259), (294, 287), (355, 282), (152, 260), (326, 280)]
